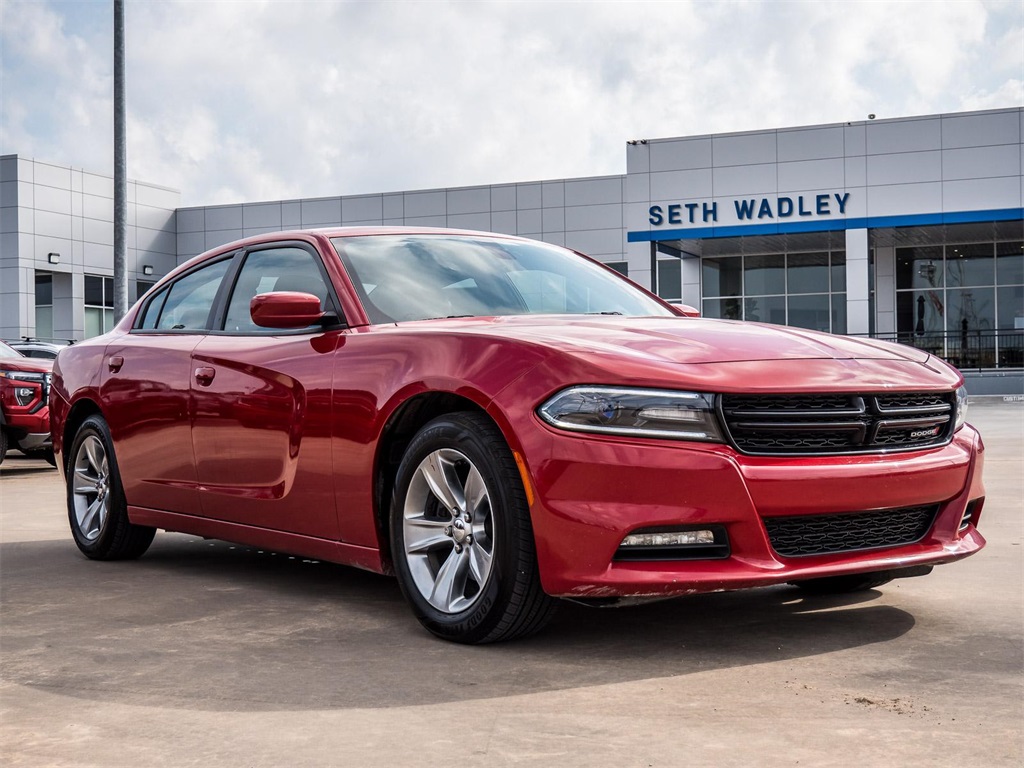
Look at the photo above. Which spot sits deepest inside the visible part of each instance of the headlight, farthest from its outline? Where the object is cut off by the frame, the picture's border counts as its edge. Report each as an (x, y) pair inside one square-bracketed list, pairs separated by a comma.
[(961, 407), (634, 412), (22, 376)]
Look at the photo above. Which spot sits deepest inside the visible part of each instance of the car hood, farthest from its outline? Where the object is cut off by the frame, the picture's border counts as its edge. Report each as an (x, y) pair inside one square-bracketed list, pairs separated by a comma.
[(681, 340), (26, 364)]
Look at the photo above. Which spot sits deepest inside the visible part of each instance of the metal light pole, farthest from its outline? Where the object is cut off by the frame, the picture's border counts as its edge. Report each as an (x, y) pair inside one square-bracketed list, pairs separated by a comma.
[(120, 170)]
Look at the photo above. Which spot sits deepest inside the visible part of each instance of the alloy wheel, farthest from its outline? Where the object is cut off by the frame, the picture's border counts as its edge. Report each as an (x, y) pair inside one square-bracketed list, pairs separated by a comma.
[(448, 531), (91, 485)]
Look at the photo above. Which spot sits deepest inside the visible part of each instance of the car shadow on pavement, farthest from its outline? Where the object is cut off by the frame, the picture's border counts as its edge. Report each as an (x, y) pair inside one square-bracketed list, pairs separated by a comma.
[(206, 625), (28, 469)]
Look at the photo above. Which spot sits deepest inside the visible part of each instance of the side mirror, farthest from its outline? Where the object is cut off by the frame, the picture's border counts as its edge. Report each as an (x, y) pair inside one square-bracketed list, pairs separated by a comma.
[(285, 309), (685, 310)]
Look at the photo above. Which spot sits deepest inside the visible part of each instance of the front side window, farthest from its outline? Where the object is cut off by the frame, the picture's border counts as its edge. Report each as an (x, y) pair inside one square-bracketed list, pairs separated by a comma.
[(418, 277), (274, 269)]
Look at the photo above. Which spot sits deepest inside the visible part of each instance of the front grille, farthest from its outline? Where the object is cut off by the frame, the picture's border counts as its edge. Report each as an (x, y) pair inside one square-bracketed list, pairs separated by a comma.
[(794, 425), (806, 535)]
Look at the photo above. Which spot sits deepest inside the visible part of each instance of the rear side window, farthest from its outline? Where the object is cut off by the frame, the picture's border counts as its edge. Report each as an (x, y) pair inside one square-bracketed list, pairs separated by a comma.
[(185, 305)]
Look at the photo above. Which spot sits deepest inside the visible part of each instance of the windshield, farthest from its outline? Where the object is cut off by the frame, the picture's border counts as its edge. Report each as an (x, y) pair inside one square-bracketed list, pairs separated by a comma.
[(417, 277)]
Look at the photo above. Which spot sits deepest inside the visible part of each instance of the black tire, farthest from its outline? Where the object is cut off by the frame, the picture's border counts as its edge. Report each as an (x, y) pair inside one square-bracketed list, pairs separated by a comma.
[(97, 510), (471, 576), (838, 585), (3, 445)]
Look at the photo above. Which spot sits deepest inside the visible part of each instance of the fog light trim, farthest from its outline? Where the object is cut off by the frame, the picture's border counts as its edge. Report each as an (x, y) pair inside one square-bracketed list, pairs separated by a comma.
[(708, 542)]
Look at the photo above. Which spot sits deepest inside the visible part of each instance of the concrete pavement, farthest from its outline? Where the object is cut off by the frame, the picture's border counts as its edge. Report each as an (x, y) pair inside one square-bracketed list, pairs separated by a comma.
[(212, 654)]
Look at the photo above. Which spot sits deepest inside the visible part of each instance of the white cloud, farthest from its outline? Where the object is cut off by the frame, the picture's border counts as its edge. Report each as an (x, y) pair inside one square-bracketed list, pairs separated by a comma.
[(233, 101)]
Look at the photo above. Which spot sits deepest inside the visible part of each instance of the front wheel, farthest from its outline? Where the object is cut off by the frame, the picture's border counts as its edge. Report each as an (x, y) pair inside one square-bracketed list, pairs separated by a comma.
[(97, 509), (461, 536)]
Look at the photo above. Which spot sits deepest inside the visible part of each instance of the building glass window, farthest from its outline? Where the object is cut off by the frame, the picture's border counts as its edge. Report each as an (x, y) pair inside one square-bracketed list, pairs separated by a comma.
[(44, 305), (141, 286), (622, 267), (670, 279), (764, 275), (963, 302), (99, 305), (805, 290), (722, 276)]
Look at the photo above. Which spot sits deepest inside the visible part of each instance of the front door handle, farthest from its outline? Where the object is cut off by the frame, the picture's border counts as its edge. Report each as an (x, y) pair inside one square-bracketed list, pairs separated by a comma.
[(114, 363), (204, 376)]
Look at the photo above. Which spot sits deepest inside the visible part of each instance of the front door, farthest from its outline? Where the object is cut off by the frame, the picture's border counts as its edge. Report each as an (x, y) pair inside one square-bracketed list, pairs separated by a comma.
[(262, 406)]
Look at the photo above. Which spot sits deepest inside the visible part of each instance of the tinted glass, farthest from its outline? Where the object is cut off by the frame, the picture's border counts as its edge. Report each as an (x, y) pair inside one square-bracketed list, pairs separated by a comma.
[(152, 312), (919, 267), (970, 309), (416, 277), (44, 289), (808, 273), (670, 279), (839, 313), (970, 265), (765, 274), (728, 309), (94, 290), (839, 271), (1010, 263), (810, 311), (1011, 307), (190, 298), (765, 309), (141, 286), (722, 277), (276, 269), (920, 312)]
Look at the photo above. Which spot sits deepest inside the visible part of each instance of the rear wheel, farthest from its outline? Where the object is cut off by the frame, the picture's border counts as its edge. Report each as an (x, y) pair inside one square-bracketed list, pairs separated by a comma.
[(461, 535), (97, 509)]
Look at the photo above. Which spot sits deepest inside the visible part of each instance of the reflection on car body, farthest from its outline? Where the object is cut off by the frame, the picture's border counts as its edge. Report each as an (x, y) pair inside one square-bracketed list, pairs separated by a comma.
[(502, 423)]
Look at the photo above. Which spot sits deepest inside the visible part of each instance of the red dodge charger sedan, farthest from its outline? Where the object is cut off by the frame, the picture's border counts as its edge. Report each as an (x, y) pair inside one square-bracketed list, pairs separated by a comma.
[(501, 423)]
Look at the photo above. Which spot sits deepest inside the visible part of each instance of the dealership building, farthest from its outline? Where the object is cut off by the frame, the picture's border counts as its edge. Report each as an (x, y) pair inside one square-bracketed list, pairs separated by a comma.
[(908, 229)]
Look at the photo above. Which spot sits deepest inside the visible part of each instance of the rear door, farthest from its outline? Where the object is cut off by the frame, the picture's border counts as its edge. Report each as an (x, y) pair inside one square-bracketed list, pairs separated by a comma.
[(146, 389)]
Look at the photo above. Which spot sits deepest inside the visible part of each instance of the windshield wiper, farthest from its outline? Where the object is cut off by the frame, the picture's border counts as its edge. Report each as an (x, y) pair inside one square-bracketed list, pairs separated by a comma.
[(604, 313)]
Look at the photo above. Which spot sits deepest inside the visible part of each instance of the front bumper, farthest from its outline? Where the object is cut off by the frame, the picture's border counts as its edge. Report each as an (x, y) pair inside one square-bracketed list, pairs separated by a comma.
[(35, 441), (589, 492)]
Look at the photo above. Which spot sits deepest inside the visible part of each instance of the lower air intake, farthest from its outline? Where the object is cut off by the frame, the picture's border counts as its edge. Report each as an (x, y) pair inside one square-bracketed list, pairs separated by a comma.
[(807, 535)]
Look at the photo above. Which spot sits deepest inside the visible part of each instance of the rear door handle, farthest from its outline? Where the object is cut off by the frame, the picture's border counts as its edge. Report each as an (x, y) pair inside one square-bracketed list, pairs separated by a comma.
[(114, 363), (204, 376)]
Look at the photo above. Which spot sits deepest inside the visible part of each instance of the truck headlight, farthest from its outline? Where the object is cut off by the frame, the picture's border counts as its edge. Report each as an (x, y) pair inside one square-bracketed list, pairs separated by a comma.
[(634, 412)]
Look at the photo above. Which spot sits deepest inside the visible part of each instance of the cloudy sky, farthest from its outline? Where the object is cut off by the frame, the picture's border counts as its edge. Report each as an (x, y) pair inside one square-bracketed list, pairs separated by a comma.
[(242, 100)]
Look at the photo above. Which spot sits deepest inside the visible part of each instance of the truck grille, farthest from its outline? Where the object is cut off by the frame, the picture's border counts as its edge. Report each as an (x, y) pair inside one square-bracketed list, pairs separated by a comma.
[(795, 425), (806, 535)]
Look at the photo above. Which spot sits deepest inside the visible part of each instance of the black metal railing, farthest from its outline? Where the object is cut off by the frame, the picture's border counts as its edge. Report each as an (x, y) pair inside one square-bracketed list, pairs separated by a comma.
[(967, 350)]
